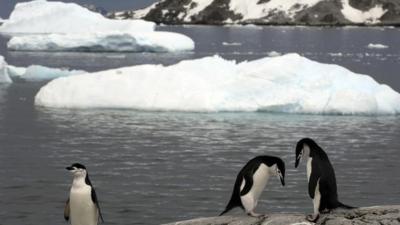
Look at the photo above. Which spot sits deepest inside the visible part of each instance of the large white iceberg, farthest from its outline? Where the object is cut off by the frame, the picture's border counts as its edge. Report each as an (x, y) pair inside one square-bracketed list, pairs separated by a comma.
[(289, 83), (108, 42), (43, 17), (33, 73), (57, 26)]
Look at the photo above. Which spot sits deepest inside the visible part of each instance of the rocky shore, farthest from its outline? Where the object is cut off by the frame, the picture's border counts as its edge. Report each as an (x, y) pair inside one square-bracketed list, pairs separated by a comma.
[(376, 215)]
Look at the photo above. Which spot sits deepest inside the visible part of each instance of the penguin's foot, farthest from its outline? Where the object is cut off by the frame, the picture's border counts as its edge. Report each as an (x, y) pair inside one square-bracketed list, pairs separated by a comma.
[(260, 216), (312, 218)]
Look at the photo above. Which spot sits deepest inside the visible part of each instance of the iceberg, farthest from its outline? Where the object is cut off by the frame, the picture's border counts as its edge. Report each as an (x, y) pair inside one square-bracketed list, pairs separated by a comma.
[(289, 83), (57, 26), (44, 17), (108, 42), (4, 77), (33, 73)]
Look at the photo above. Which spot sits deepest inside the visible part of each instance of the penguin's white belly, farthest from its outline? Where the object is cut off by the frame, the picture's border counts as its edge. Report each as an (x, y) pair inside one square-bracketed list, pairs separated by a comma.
[(82, 209), (260, 180), (309, 168)]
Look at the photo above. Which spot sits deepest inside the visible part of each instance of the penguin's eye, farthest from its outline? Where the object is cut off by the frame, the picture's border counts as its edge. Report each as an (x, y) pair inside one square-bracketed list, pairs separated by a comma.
[(278, 171)]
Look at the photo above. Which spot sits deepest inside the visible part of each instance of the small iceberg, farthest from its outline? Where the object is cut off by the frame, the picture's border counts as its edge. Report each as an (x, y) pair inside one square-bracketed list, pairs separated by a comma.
[(289, 83), (41, 25), (377, 46), (33, 73), (107, 42)]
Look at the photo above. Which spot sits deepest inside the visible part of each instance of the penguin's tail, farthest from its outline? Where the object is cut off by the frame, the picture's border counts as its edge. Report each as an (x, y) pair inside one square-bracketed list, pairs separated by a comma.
[(343, 206), (234, 202)]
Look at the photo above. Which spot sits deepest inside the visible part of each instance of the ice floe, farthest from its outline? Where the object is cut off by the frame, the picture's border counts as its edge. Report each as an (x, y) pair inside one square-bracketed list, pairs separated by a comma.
[(33, 73), (289, 83), (377, 46), (109, 42), (41, 25)]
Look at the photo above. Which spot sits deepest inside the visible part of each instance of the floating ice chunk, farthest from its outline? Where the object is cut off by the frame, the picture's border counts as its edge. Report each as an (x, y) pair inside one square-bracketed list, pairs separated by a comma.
[(274, 53), (231, 43), (289, 83), (377, 46), (43, 17), (36, 73), (4, 77), (106, 42)]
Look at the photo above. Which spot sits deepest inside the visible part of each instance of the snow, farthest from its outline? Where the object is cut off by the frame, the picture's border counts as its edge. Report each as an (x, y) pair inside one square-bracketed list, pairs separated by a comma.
[(43, 17), (357, 16), (110, 42), (251, 9), (377, 46), (289, 83), (33, 73), (200, 5)]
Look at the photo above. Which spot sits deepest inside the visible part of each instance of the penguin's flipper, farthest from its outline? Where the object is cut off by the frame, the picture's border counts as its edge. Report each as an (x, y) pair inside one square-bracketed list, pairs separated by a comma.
[(312, 183), (96, 202), (248, 179), (66, 210)]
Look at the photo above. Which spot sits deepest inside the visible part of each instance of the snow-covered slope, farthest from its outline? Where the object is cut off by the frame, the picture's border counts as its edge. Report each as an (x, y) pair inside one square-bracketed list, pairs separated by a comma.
[(42, 25), (288, 83), (110, 42), (304, 12), (33, 73)]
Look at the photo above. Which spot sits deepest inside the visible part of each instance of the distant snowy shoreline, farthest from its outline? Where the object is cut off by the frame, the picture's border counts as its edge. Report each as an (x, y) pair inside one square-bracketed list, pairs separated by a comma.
[(271, 12)]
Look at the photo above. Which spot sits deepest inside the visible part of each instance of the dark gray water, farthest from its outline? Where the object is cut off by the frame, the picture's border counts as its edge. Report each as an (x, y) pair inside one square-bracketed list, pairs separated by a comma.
[(158, 167)]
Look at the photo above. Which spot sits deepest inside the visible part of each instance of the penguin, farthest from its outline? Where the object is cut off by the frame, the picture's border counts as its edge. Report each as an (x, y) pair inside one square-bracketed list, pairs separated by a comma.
[(321, 178), (251, 181), (82, 206)]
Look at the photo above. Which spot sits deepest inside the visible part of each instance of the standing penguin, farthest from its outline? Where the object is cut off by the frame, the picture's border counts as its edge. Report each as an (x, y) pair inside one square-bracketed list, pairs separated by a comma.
[(82, 206), (251, 181), (321, 178)]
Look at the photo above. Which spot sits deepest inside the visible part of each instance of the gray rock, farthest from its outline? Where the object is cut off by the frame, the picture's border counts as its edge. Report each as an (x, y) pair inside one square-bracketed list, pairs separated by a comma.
[(379, 215)]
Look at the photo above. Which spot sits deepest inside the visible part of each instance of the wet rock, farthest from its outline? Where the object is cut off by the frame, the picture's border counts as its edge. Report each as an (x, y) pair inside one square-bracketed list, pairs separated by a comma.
[(379, 215)]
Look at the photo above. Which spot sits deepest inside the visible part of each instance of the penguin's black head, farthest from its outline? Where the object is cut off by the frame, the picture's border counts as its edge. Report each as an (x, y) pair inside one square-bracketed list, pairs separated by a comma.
[(77, 169), (280, 170), (300, 149)]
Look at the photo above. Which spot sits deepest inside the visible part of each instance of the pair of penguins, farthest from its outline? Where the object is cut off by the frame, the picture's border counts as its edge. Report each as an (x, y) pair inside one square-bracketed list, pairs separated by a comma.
[(82, 207)]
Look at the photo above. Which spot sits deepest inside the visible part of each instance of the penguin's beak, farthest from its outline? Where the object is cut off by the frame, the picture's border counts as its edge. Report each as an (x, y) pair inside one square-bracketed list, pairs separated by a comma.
[(282, 181), (69, 168), (297, 161)]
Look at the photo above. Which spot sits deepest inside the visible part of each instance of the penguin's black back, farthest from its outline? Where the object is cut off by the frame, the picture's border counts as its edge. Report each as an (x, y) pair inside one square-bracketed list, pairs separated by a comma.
[(247, 173), (322, 169)]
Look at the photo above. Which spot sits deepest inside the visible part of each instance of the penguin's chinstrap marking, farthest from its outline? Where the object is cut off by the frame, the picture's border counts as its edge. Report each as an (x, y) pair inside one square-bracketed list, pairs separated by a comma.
[(82, 206), (251, 181), (322, 187)]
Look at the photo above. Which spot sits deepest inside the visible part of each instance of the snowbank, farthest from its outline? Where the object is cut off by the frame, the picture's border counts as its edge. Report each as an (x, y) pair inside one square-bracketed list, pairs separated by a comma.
[(57, 26), (377, 46), (43, 17), (113, 42), (33, 73), (288, 83)]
